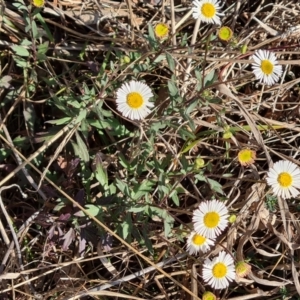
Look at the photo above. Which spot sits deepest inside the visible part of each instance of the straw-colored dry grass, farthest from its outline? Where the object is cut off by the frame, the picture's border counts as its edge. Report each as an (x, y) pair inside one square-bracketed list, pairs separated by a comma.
[(109, 201)]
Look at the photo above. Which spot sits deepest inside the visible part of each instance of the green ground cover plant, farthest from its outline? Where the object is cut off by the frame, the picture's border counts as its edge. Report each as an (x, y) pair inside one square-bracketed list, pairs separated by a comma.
[(149, 149)]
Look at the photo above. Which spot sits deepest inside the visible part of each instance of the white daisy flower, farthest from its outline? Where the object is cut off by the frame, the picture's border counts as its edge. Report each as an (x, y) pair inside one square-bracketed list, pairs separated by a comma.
[(210, 218), (133, 100), (284, 178), (207, 11), (198, 243), (220, 271), (265, 67)]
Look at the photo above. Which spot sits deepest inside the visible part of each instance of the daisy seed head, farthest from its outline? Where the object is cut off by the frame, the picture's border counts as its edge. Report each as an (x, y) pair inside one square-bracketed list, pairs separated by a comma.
[(161, 30), (133, 100), (38, 3), (284, 179), (242, 269), (198, 243), (207, 11), (246, 157), (220, 271), (265, 67), (209, 296), (225, 33), (210, 218)]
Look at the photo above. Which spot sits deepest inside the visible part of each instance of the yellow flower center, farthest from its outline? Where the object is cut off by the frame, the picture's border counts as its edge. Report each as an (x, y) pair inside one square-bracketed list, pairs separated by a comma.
[(209, 296), (219, 270), (242, 269), (161, 30), (245, 155), (208, 10), (267, 67), (285, 179), (211, 219), (38, 3), (134, 100), (198, 240), (225, 33)]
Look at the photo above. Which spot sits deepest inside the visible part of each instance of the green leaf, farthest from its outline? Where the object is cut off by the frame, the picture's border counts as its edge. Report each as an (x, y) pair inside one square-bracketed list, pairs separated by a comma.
[(83, 152), (26, 43), (147, 241), (74, 103), (46, 28), (137, 209), (93, 210), (171, 62), (184, 40), (126, 226), (200, 177), (174, 197), (151, 32), (142, 189), (172, 88), (81, 116), (189, 145), (34, 29), (21, 51), (22, 63), (159, 58), (43, 48), (4, 153), (209, 79), (123, 187), (168, 223), (186, 134), (30, 117), (61, 121), (100, 173), (216, 186)]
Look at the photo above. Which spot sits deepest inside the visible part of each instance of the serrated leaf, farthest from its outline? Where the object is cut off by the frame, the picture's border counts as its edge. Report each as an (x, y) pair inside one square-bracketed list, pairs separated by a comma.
[(21, 62), (21, 51)]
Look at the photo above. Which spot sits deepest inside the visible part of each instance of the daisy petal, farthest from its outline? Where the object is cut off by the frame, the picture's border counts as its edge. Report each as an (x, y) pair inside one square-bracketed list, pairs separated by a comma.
[(265, 67), (284, 179), (133, 100)]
